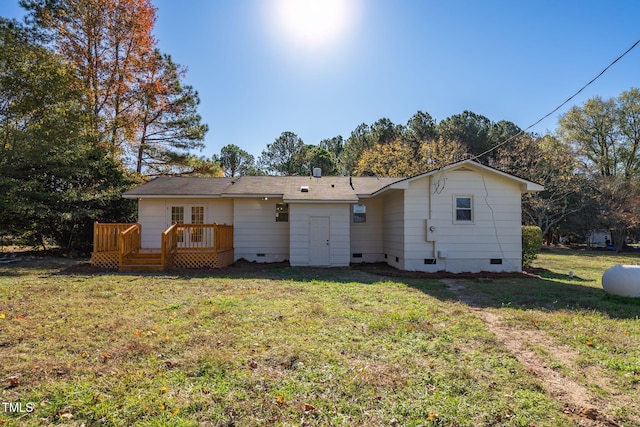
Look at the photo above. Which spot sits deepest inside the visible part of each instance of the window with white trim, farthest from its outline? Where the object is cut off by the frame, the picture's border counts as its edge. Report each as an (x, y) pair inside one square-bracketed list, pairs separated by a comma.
[(463, 209), (359, 213), (177, 214), (177, 217), (282, 212), (197, 217)]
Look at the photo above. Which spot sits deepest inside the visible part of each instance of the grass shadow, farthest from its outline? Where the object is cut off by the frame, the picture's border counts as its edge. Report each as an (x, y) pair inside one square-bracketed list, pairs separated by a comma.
[(541, 289), (24, 266), (548, 292)]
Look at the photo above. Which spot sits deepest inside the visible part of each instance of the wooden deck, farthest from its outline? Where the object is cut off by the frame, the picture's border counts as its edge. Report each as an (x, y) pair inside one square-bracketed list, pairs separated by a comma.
[(118, 246)]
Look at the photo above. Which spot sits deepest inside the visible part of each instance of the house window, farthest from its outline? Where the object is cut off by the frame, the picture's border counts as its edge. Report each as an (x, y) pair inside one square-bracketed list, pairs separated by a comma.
[(197, 217), (177, 217), (359, 213), (282, 212), (463, 209)]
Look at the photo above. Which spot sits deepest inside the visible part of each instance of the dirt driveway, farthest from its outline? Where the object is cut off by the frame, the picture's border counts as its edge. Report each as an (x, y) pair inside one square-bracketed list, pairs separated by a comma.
[(578, 402)]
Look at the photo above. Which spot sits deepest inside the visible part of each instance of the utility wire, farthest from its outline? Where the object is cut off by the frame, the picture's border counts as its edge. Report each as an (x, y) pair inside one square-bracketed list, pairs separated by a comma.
[(559, 106)]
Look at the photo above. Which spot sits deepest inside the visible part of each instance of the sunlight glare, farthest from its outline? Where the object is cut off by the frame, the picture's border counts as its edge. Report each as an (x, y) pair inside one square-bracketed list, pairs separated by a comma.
[(314, 23)]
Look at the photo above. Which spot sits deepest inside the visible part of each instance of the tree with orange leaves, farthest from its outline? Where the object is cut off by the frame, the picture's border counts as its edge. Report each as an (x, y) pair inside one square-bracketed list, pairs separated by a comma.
[(111, 45)]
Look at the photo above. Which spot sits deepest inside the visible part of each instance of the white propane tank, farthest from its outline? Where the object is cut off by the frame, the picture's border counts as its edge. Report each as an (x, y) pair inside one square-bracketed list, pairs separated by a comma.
[(623, 280)]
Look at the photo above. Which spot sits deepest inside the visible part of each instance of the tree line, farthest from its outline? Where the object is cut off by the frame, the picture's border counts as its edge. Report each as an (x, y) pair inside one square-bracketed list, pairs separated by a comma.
[(88, 106), (590, 166)]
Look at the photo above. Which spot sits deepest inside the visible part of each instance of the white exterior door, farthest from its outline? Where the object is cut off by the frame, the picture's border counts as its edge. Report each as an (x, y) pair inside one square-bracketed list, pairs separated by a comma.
[(319, 245)]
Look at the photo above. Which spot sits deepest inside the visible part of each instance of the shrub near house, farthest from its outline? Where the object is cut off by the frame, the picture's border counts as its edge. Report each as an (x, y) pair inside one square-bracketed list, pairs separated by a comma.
[(531, 244)]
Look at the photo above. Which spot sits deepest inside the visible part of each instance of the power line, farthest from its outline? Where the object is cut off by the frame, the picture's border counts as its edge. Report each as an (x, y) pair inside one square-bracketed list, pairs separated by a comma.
[(561, 105)]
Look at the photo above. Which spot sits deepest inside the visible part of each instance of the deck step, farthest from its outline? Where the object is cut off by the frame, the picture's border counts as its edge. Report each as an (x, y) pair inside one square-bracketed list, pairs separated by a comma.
[(142, 262), (145, 255)]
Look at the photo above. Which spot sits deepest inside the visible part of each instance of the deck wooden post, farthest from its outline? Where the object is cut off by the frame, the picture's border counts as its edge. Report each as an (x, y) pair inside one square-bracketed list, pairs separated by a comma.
[(95, 236)]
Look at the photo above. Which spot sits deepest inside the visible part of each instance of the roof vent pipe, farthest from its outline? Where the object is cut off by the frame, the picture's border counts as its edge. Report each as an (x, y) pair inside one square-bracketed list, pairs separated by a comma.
[(317, 172)]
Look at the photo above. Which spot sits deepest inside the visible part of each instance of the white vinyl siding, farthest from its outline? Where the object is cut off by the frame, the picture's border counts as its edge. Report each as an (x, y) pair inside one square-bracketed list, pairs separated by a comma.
[(416, 247), (256, 234), (494, 233), (152, 216), (339, 215), (393, 232), (366, 237)]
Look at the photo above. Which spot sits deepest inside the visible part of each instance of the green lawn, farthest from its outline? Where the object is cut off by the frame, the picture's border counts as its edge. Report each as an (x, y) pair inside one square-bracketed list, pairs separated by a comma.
[(604, 330), (287, 346)]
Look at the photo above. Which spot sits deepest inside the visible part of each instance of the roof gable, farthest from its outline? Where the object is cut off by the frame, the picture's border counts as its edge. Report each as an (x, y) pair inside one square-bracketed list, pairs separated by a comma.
[(526, 186)]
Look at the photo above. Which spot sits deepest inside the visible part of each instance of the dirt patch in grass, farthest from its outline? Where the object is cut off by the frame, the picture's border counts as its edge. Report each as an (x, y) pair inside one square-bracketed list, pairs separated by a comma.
[(576, 399)]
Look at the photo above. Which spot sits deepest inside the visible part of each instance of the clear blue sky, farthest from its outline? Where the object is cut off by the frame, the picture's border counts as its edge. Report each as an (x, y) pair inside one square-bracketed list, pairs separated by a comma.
[(258, 74)]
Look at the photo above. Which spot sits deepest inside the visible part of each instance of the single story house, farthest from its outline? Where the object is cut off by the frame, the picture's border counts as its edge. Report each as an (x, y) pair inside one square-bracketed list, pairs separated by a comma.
[(465, 217)]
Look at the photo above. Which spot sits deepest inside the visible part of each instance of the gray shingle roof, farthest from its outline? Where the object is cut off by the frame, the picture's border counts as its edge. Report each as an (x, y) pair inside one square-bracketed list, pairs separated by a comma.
[(181, 186), (327, 188)]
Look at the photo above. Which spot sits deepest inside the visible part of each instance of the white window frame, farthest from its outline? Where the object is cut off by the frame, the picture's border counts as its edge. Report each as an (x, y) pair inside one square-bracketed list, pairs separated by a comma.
[(359, 211), (197, 217), (471, 209), (189, 216), (282, 212)]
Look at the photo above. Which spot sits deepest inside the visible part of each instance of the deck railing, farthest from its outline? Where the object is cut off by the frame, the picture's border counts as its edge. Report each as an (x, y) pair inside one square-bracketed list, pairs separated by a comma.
[(223, 237), (105, 236), (128, 242), (169, 245), (190, 245), (201, 236)]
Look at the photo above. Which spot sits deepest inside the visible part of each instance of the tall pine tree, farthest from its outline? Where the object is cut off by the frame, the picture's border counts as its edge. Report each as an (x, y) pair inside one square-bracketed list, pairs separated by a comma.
[(55, 177)]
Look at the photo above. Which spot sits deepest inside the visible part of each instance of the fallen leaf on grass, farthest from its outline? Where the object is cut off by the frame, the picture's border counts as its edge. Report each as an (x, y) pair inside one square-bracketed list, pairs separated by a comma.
[(2, 315), (20, 316), (279, 400), (14, 381), (309, 408), (175, 412), (589, 343)]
